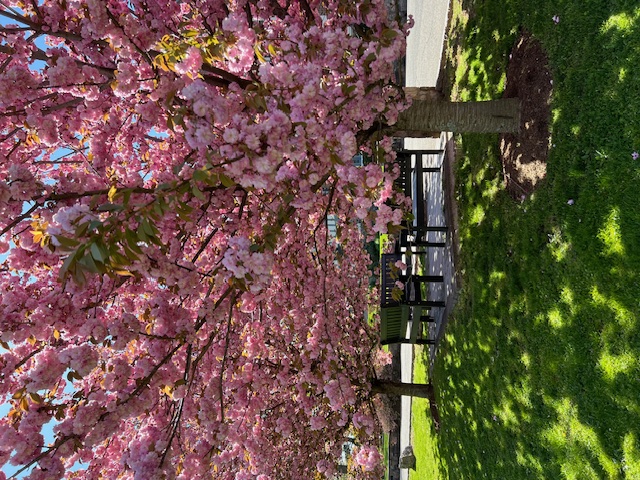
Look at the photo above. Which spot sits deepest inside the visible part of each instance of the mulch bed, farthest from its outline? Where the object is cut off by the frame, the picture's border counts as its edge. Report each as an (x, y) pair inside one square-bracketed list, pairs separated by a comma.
[(524, 155)]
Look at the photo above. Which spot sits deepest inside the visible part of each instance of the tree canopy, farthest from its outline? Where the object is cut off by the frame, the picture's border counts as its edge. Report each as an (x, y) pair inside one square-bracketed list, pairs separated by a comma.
[(174, 305)]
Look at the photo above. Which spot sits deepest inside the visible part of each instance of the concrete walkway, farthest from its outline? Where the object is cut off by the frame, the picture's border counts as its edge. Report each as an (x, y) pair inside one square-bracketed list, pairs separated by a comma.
[(424, 52)]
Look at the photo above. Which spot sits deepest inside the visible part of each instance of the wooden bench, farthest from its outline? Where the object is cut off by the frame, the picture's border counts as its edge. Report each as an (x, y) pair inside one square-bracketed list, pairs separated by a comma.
[(397, 315), (394, 322)]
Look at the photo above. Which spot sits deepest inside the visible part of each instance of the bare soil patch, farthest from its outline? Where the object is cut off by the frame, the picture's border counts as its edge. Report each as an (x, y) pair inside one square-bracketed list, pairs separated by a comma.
[(524, 155)]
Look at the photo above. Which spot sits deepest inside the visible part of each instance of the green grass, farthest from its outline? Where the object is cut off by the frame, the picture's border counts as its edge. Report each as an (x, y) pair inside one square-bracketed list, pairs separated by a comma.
[(385, 454), (424, 439), (539, 373)]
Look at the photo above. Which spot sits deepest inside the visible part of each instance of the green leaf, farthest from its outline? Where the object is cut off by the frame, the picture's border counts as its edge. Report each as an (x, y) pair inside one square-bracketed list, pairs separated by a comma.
[(176, 168), (81, 229), (200, 175), (270, 241), (183, 188), (78, 274), (261, 103), (88, 262), (389, 34), (335, 159), (347, 89), (147, 228), (110, 207), (159, 207), (142, 236), (170, 96), (213, 180), (94, 225), (130, 254), (118, 260), (135, 247), (126, 196), (197, 193), (66, 241), (226, 181), (185, 207), (68, 266), (132, 242), (178, 119), (99, 252)]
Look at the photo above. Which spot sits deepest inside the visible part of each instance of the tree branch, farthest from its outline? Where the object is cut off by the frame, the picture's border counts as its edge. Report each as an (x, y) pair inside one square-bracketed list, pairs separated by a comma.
[(145, 381), (20, 218), (224, 361)]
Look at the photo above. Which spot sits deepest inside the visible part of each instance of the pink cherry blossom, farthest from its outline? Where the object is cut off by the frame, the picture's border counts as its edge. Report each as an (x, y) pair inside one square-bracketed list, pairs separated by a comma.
[(368, 458), (173, 299)]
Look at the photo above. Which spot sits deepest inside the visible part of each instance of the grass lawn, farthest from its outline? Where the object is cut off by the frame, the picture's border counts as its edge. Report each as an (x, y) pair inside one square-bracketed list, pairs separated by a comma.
[(424, 439), (539, 373)]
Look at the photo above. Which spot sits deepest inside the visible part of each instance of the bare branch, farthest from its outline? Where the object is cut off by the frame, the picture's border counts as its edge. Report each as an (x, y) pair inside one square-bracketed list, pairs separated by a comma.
[(18, 18), (204, 245), (143, 383), (20, 218)]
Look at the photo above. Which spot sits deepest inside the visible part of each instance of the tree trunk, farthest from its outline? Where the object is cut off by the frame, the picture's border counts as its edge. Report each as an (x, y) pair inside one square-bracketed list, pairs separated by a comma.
[(428, 114), (389, 387), (422, 390)]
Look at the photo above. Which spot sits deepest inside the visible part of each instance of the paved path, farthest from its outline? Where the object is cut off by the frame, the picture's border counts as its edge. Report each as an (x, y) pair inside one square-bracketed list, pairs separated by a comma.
[(424, 45), (424, 52)]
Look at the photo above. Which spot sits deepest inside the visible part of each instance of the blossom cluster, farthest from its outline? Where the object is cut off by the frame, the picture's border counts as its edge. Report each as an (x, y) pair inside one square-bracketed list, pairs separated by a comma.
[(255, 267)]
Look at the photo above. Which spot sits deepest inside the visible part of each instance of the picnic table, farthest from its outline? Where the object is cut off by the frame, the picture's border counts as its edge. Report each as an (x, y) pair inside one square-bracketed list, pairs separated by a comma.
[(404, 310)]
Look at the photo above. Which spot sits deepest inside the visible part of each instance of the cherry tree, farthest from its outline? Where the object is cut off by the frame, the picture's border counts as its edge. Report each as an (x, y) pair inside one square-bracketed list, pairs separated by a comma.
[(174, 305)]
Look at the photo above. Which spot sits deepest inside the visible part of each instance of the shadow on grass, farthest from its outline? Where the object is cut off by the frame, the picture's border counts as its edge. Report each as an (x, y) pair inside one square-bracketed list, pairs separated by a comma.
[(539, 374)]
